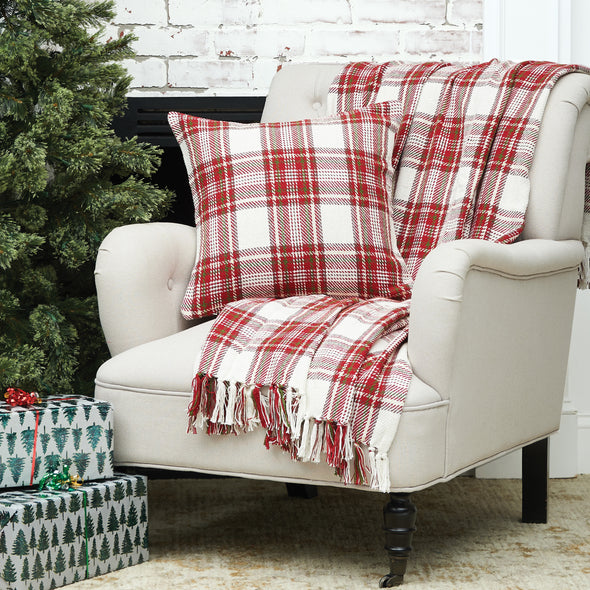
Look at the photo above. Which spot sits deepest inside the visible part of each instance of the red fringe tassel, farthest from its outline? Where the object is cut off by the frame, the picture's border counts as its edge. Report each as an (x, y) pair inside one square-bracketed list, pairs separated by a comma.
[(273, 412)]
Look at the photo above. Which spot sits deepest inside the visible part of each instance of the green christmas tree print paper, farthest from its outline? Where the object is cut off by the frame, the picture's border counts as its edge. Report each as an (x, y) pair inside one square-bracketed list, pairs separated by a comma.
[(76, 431), (52, 538)]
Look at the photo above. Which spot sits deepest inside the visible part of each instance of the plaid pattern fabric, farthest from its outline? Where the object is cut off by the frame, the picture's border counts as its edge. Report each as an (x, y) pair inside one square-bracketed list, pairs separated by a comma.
[(584, 271), (356, 87), (287, 209), (355, 390), (259, 346), (464, 147), (320, 375), (329, 376), (360, 82)]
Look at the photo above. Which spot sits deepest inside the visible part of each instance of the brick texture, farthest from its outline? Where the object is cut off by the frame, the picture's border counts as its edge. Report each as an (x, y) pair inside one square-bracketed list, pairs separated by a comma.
[(235, 46)]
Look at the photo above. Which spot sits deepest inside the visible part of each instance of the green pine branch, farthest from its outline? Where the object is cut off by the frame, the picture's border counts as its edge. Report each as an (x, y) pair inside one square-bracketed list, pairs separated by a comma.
[(66, 180)]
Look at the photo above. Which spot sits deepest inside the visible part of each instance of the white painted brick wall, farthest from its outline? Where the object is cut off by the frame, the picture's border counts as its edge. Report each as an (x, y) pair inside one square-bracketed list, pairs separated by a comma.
[(234, 47)]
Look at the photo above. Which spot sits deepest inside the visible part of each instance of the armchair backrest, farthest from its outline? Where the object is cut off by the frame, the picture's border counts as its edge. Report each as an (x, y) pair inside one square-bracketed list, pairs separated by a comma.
[(557, 176)]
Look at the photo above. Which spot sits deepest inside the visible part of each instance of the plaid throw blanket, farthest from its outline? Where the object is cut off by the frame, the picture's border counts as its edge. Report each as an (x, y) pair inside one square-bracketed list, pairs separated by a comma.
[(464, 147), (326, 376), (318, 374)]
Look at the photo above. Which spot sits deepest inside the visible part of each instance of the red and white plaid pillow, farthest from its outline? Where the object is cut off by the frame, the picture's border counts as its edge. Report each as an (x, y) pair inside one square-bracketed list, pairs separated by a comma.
[(292, 208)]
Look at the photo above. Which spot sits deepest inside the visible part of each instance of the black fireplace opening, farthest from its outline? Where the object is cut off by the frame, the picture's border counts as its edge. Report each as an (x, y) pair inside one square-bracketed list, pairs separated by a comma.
[(146, 118)]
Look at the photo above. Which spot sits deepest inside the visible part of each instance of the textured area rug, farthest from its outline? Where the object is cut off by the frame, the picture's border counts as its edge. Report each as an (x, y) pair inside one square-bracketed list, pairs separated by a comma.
[(242, 534)]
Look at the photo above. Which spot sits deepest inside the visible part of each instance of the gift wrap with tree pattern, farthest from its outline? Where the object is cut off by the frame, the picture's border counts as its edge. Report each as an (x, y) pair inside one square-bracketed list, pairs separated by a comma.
[(76, 431), (52, 538)]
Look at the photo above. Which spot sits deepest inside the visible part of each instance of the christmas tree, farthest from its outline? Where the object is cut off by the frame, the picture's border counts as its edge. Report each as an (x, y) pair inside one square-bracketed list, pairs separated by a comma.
[(66, 180)]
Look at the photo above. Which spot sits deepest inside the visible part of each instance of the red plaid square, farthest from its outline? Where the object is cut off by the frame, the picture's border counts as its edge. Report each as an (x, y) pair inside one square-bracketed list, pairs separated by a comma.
[(294, 208)]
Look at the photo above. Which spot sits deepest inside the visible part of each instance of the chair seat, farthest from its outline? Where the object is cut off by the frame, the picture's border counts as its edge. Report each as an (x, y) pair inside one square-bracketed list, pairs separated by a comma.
[(167, 366), (150, 389)]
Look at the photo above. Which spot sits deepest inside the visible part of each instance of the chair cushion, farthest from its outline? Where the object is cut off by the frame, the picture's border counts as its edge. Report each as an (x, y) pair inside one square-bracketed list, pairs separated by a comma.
[(150, 389), (167, 366), (292, 208)]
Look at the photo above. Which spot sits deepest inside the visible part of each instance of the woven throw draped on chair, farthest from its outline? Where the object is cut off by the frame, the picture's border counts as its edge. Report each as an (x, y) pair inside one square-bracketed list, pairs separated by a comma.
[(464, 147), (330, 376)]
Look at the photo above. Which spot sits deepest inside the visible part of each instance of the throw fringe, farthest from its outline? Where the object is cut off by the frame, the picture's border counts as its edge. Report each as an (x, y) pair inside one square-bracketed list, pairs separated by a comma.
[(584, 269), (222, 407)]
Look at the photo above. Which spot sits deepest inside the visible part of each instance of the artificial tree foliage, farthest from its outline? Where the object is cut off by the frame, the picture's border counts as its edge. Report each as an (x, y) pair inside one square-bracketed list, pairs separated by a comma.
[(66, 180)]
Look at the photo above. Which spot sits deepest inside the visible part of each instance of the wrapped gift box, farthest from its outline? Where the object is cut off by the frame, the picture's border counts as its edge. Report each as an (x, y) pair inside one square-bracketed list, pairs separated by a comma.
[(37, 440), (52, 538)]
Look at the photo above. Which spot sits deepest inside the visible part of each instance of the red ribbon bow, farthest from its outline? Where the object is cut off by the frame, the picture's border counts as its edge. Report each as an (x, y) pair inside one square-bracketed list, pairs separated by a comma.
[(18, 397)]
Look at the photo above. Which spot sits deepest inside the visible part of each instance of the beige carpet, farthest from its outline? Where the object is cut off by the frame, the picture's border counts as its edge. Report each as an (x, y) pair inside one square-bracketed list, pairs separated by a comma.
[(240, 534)]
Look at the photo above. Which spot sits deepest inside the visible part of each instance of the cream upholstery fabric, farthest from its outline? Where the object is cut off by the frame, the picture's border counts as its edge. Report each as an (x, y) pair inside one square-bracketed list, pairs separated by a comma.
[(467, 363)]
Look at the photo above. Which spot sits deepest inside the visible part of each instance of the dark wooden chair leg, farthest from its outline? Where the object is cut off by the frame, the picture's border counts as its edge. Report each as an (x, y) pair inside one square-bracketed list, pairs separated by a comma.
[(399, 516), (301, 490), (535, 481)]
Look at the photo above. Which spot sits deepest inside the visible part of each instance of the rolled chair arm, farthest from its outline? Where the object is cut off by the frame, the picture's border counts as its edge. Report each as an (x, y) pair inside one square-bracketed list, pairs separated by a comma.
[(490, 326), (458, 275), (141, 275)]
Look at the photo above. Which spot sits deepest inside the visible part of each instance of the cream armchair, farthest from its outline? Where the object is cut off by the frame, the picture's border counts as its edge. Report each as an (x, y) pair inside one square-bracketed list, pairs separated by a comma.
[(469, 360)]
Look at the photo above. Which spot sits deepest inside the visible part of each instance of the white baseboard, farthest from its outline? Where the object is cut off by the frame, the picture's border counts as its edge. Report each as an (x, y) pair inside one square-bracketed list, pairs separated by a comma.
[(563, 455), (508, 466), (583, 443)]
